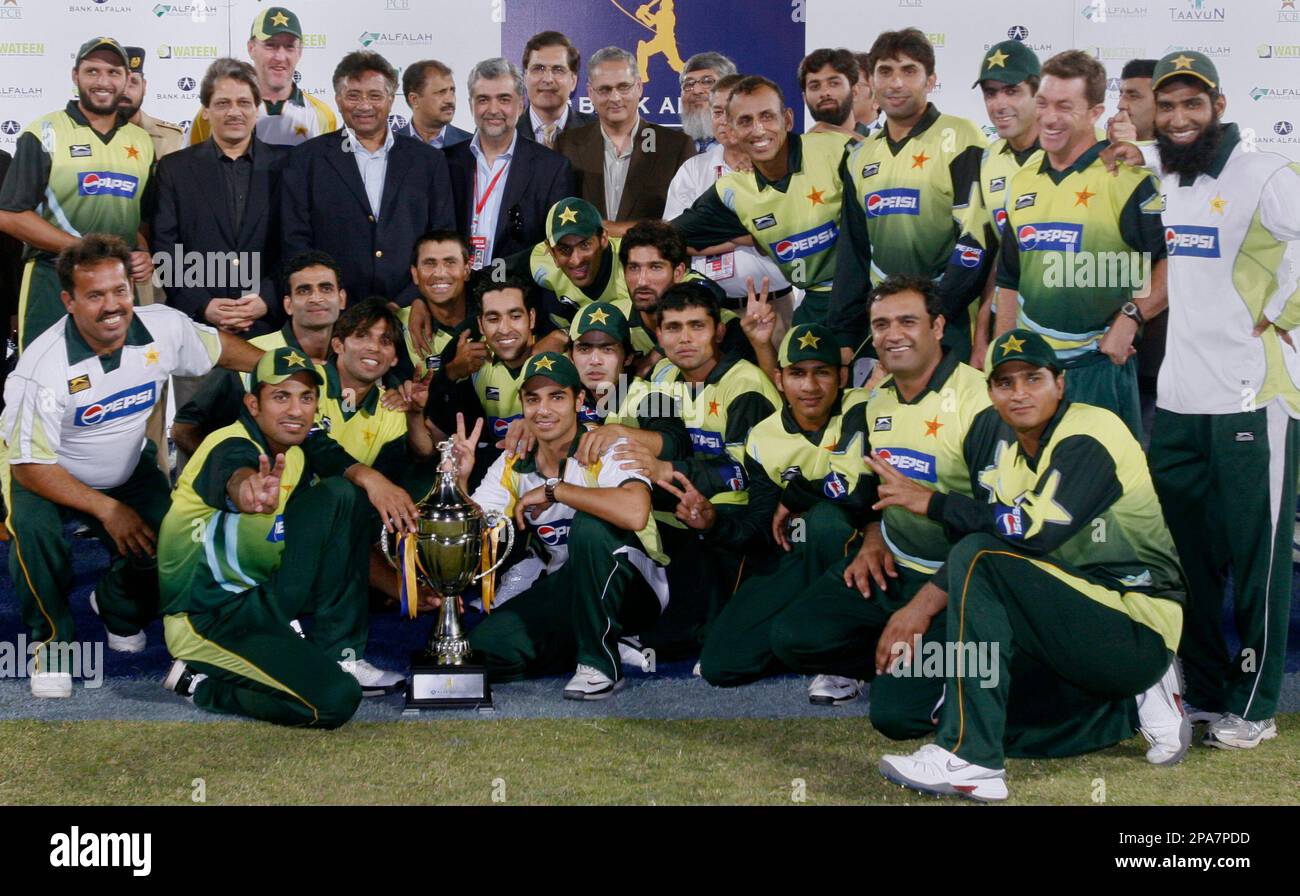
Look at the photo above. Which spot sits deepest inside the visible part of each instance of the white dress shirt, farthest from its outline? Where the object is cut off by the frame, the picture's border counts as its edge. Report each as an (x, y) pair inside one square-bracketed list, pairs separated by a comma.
[(372, 165)]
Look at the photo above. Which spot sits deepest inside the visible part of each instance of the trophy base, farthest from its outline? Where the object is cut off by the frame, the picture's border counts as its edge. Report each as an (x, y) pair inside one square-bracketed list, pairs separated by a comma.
[(433, 685)]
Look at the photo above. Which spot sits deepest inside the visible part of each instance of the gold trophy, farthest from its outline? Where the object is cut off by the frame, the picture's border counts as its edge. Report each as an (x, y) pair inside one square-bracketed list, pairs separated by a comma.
[(456, 546)]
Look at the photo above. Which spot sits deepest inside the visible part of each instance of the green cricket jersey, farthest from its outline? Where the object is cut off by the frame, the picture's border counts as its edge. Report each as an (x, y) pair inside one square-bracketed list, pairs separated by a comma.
[(924, 439), (1086, 500), (569, 298), (370, 432), (420, 362), (795, 220), (718, 414), (77, 179), (1074, 245), (903, 207), (208, 553)]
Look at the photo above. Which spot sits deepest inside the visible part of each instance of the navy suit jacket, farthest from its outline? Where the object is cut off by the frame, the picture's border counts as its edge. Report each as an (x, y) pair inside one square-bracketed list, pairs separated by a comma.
[(192, 213), (450, 137), (536, 179), (324, 206)]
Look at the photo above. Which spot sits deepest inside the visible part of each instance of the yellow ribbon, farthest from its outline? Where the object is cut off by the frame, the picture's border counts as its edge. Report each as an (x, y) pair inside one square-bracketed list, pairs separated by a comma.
[(407, 550), (487, 560)]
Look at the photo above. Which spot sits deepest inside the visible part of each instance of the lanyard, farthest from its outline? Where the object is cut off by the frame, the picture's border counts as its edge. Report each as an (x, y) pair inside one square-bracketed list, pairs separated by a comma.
[(480, 204)]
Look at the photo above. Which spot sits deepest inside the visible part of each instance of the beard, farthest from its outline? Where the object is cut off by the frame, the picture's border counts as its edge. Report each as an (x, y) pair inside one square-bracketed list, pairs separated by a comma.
[(126, 111), (1191, 159), (698, 124), (87, 102), (836, 116)]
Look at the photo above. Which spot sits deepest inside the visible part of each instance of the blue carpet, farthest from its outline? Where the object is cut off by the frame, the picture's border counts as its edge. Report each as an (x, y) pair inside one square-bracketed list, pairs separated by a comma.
[(130, 689)]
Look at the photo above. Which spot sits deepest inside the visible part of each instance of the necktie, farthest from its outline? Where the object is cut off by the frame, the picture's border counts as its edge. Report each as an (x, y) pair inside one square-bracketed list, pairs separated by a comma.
[(548, 135)]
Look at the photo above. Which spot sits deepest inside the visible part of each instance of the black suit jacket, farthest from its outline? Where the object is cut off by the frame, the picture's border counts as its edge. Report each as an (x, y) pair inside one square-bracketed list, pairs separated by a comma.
[(576, 120), (536, 179), (192, 213), (324, 206), (648, 173)]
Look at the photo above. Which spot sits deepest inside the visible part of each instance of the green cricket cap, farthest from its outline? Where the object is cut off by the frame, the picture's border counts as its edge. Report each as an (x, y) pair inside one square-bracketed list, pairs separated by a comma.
[(280, 364), (1009, 62), (572, 217), (555, 367), (809, 342), (275, 20), (1021, 345), (601, 317), (102, 43), (1186, 62)]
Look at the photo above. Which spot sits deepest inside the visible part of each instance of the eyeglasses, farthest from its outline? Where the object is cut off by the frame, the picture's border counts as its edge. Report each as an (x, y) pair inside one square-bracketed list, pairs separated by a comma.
[(537, 70), (607, 91), (706, 82), (564, 250), (374, 97)]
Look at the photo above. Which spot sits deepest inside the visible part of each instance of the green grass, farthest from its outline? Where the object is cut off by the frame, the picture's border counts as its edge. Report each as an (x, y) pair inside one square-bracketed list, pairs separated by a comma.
[(613, 761)]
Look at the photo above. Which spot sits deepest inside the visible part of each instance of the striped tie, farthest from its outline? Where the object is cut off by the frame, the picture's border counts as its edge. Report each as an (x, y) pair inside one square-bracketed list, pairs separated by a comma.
[(548, 135)]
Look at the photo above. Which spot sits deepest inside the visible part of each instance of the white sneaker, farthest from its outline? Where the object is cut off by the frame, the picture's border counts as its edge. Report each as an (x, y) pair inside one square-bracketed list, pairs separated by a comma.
[(589, 683), (121, 643), (1164, 721), (51, 684), (1231, 732), (832, 690), (696, 671), (181, 679), (932, 769), (630, 654), (374, 682)]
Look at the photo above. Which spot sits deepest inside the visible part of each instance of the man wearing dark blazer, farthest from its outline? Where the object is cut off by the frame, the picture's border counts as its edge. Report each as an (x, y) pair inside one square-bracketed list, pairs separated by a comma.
[(220, 198), (551, 65), (623, 165), (530, 177), (363, 194), (431, 94)]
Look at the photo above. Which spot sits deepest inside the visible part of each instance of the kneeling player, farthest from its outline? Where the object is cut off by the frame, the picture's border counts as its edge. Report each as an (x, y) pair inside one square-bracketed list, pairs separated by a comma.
[(247, 547), (605, 571), (1067, 560)]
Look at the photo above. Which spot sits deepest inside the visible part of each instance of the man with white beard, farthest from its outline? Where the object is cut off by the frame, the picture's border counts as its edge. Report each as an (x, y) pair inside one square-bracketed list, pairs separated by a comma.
[(702, 71)]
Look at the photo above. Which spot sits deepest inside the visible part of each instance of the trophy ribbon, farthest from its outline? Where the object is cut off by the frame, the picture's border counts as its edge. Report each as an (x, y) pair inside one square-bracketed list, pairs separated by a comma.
[(409, 562), (488, 563)]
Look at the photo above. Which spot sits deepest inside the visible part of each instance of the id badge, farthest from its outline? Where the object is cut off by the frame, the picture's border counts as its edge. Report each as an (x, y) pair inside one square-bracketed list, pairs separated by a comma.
[(720, 267), (478, 251)]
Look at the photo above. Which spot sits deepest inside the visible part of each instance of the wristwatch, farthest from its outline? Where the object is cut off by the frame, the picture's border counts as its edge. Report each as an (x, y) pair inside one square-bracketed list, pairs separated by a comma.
[(1131, 310), (550, 488)]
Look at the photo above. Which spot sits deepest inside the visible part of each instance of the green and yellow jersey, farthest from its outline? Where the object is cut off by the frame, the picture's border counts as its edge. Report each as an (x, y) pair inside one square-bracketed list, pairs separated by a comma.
[(718, 415), (1076, 246), (566, 298), (371, 433), (283, 122), (421, 363), (925, 440), (1086, 500), (794, 220), (208, 552), (77, 179), (903, 208)]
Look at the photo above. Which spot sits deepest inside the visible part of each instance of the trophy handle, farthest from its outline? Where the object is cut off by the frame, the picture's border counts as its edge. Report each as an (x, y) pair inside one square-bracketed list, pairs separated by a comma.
[(494, 520), (389, 555)]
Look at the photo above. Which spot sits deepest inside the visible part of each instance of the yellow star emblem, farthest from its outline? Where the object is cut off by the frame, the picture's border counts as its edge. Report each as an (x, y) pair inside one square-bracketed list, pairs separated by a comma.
[(132, 152), (815, 197), (151, 357), (919, 161), (279, 19), (544, 364), (1082, 197), (368, 435), (293, 359), (300, 131), (1013, 344), (1217, 204), (809, 340), (997, 59), (1183, 61), (599, 315), (713, 408), (932, 426), (569, 216), (1043, 507)]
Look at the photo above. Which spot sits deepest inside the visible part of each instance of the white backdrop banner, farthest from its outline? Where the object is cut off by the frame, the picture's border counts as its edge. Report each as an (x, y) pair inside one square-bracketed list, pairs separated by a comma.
[(1255, 43)]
